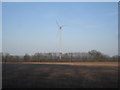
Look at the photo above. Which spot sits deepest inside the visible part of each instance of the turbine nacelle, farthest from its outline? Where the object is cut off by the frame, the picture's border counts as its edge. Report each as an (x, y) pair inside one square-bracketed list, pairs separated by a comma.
[(60, 27)]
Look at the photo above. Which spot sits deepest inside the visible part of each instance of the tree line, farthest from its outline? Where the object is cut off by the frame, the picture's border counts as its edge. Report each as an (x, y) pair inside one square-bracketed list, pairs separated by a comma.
[(91, 56)]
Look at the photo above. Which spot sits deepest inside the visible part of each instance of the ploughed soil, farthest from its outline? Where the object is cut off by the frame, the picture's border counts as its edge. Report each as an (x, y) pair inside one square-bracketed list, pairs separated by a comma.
[(60, 75)]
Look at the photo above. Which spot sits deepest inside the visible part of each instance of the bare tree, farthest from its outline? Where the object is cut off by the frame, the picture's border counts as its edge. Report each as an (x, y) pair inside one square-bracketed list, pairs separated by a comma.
[(26, 57), (96, 55)]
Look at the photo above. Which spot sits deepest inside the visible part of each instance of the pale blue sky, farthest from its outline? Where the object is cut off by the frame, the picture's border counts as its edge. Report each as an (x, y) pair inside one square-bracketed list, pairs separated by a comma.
[(0, 27), (31, 27)]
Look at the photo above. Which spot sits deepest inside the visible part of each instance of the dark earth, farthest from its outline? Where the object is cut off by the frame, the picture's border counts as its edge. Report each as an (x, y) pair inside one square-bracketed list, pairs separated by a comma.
[(58, 76)]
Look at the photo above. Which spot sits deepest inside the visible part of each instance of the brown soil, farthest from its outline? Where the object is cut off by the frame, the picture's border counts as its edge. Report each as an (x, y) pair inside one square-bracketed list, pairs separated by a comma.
[(60, 75)]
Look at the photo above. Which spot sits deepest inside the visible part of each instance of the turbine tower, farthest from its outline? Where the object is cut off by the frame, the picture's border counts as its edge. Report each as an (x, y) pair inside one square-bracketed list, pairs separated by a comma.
[(60, 39)]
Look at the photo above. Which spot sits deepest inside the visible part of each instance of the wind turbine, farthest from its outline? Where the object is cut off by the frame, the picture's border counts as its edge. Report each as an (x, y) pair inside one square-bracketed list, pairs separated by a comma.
[(60, 39)]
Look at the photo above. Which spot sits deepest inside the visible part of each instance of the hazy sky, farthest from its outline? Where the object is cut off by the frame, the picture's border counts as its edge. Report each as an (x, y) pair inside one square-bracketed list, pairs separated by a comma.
[(60, 0), (31, 27), (0, 27)]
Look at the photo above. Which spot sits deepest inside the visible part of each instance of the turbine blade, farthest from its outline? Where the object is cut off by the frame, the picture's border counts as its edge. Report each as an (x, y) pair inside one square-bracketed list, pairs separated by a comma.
[(57, 23), (63, 26)]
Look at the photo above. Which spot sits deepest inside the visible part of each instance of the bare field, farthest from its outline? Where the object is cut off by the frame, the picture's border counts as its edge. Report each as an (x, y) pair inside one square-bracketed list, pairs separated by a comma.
[(71, 63), (60, 75)]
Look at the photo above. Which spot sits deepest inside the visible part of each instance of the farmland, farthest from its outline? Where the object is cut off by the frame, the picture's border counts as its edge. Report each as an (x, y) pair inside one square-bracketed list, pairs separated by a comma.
[(60, 75)]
